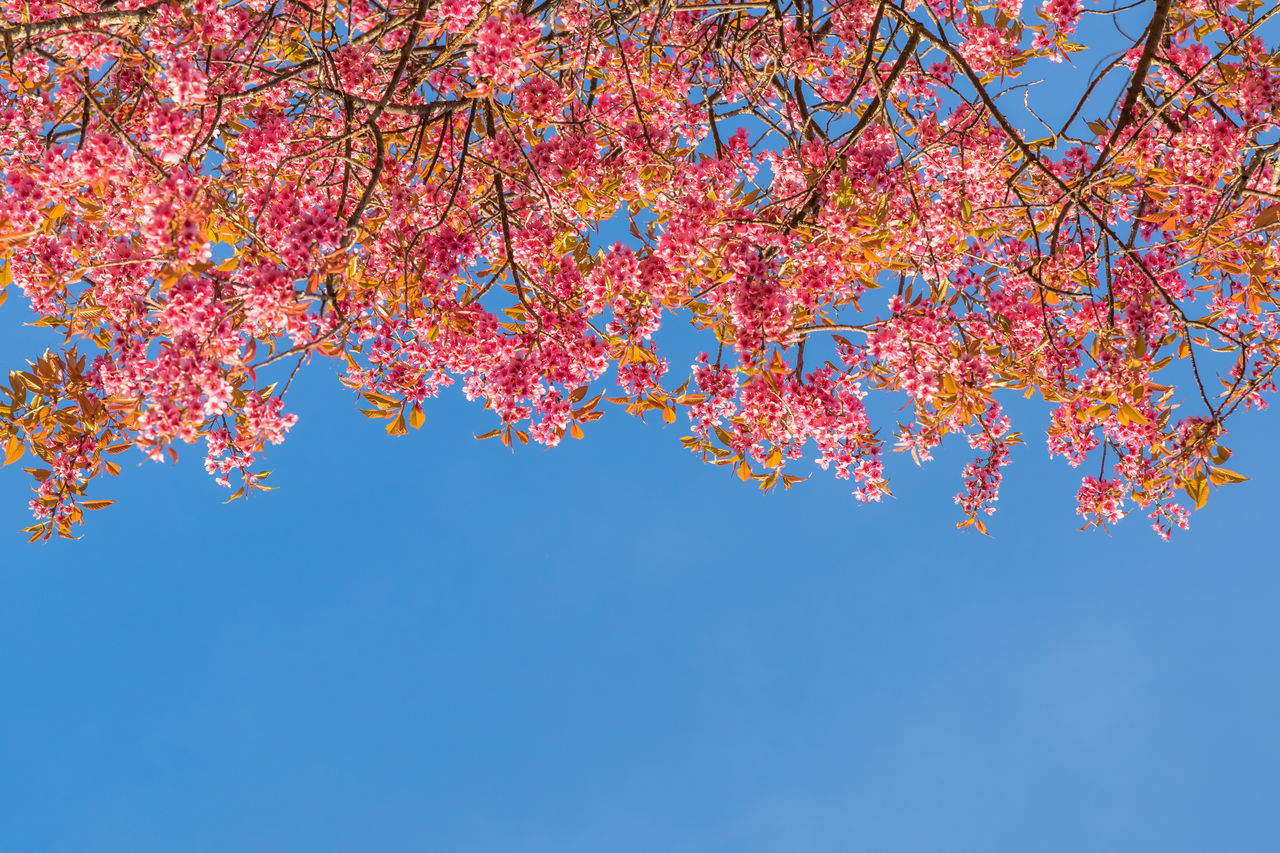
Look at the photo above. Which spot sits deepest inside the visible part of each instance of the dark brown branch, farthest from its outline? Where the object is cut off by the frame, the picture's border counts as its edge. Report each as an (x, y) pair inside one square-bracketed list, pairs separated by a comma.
[(1155, 33)]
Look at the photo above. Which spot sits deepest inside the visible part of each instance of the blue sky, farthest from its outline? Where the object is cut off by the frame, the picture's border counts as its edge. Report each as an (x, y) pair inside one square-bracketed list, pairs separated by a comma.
[(433, 644), (430, 643)]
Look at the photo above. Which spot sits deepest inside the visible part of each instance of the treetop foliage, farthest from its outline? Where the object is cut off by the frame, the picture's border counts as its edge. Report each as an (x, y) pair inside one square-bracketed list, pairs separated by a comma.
[(841, 198)]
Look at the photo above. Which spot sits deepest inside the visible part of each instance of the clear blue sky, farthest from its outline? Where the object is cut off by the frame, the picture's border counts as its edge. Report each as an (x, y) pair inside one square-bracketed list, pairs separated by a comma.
[(432, 644)]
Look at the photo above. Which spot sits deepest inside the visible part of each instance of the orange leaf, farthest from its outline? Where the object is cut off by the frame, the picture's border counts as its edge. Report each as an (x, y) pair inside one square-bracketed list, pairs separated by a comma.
[(1221, 476), (13, 450), (1198, 490), (1128, 414), (382, 401)]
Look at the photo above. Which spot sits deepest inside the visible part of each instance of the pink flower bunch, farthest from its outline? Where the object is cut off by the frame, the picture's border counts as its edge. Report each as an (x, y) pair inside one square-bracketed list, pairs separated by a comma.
[(1063, 16), (188, 85), (504, 49), (987, 49), (1101, 501), (458, 14)]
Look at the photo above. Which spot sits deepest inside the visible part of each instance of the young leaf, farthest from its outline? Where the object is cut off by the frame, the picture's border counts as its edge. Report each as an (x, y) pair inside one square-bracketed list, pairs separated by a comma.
[(13, 450), (1221, 476)]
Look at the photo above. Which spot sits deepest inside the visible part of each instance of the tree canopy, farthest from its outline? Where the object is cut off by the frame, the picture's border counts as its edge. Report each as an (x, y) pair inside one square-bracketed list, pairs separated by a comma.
[(842, 199)]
